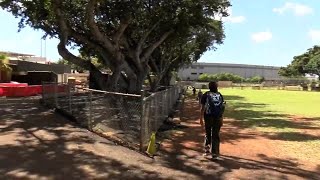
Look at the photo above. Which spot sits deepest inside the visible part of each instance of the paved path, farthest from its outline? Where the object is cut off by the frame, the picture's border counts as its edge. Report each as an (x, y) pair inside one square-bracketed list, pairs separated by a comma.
[(38, 144)]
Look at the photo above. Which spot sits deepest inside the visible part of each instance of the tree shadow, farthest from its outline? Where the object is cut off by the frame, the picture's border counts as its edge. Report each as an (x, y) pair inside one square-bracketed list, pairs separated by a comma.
[(184, 151), (268, 164), (232, 97), (293, 136), (249, 115), (231, 134), (36, 143)]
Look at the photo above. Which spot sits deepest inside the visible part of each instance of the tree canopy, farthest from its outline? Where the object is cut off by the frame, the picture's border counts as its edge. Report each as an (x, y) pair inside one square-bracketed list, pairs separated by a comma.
[(306, 63), (181, 51), (125, 35), (94, 61)]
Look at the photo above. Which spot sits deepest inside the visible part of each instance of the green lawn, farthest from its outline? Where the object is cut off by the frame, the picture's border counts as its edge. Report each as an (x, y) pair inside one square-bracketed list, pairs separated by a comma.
[(273, 110), (306, 104)]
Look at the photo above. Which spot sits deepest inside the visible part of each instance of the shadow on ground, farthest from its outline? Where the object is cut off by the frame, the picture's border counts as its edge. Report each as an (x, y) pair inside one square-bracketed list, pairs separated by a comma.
[(184, 151), (249, 115), (36, 143)]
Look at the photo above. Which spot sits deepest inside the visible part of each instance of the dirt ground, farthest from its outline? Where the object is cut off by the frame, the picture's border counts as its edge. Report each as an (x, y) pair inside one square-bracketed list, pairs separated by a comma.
[(246, 154), (36, 143)]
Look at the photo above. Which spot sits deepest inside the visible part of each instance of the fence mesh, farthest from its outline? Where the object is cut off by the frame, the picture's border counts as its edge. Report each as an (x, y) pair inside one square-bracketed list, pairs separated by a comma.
[(126, 117), (156, 108)]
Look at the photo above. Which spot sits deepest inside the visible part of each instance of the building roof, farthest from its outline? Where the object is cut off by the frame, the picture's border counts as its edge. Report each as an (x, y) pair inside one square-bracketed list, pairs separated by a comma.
[(15, 54), (233, 65)]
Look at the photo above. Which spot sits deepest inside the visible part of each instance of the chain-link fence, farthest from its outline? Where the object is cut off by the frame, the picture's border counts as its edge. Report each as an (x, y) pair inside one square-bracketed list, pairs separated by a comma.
[(156, 108), (127, 118)]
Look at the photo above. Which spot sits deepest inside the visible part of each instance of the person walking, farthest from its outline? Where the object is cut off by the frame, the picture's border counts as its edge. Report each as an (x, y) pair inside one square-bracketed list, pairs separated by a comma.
[(212, 109), (194, 91), (199, 96)]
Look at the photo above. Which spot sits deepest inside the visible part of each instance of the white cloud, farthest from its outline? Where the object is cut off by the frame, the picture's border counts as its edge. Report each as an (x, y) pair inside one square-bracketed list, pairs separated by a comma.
[(297, 9), (314, 35), (231, 18), (261, 36)]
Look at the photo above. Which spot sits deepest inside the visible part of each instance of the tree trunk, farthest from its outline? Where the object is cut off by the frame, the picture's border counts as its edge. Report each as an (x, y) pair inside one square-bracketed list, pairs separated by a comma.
[(135, 84), (113, 81), (97, 79), (165, 81), (155, 83)]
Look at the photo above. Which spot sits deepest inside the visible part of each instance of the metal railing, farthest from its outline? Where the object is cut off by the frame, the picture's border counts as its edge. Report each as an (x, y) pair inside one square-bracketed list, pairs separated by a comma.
[(127, 118)]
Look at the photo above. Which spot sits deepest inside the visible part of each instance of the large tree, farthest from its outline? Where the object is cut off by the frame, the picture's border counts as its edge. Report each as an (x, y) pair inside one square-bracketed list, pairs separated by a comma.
[(93, 60), (306, 63), (124, 34), (181, 51)]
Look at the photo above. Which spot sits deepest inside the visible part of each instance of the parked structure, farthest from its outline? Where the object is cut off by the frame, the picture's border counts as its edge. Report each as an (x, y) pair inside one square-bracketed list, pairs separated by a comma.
[(22, 68), (12, 56), (27, 68), (195, 70)]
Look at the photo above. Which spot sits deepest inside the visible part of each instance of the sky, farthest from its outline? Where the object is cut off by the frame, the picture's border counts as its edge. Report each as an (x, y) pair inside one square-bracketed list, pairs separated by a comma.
[(263, 32)]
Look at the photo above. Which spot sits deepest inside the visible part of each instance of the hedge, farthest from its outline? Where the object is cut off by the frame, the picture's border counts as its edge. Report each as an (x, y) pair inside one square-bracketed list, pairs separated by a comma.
[(229, 77)]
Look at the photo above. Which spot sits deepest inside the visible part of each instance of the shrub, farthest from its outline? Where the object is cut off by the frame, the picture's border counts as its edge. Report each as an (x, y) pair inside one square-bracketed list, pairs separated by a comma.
[(256, 79), (203, 77), (220, 77), (229, 77)]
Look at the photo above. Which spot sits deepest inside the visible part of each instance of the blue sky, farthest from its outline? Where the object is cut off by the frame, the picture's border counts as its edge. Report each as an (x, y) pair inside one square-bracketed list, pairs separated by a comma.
[(264, 32)]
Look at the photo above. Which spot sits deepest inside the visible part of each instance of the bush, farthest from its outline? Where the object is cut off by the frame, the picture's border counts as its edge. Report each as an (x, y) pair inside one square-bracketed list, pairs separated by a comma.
[(256, 79), (3, 57), (229, 77), (221, 77), (203, 77)]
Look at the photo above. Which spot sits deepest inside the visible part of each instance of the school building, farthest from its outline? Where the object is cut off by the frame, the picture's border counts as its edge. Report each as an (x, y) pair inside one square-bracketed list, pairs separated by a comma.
[(192, 72)]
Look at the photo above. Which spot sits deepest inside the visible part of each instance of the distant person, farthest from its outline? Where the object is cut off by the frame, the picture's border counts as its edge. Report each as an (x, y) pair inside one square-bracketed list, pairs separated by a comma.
[(194, 90), (212, 110), (199, 96)]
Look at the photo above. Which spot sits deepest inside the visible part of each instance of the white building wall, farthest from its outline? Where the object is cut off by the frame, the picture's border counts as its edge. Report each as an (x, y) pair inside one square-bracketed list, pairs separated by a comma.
[(195, 70)]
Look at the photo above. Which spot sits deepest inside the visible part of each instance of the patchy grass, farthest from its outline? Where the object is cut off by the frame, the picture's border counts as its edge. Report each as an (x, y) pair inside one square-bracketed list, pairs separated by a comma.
[(274, 110), (290, 117), (286, 102)]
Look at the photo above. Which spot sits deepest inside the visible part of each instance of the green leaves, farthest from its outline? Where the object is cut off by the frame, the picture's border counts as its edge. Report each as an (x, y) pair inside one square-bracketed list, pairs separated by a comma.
[(221, 77), (306, 63), (125, 34), (229, 77), (3, 57)]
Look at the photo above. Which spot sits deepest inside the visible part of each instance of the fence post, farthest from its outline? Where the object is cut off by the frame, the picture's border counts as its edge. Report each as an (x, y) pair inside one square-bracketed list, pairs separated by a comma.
[(170, 96), (168, 100), (56, 95), (163, 95), (156, 111), (142, 123), (69, 94), (90, 110), (42, 93)]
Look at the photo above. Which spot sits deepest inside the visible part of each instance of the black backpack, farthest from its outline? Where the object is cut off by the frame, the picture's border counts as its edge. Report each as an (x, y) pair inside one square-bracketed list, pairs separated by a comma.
[(214, 105)]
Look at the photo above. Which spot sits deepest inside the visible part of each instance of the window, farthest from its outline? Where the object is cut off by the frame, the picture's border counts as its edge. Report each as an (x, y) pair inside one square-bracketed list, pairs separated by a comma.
[(200, 73), (194, 73)]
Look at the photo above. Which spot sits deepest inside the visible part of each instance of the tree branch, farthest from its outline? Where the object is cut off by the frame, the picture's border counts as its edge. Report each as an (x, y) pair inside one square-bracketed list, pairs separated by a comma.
[(107, 58), (94, 29), (132, 54), (122, 27), (147, 53), (143, 39), (63, 36), (154, 66)]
